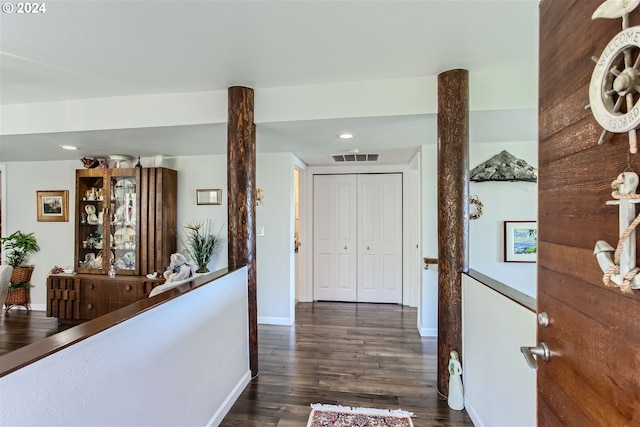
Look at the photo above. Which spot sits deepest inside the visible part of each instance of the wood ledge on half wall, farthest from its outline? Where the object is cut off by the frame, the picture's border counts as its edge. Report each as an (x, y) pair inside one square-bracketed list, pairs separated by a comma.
[(26, 355), (507, 291)]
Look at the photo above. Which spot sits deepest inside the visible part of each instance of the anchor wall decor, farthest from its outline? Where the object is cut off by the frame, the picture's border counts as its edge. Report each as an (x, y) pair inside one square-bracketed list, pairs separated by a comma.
[(619, 265), (614, 99)]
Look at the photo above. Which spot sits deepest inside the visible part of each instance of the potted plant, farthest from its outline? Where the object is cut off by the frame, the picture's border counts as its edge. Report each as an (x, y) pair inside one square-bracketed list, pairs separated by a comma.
[(200, 243), (17, 248)]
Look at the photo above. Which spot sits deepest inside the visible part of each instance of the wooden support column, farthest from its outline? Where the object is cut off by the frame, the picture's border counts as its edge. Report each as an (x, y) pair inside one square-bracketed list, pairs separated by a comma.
[(241, 188), (453, 213)]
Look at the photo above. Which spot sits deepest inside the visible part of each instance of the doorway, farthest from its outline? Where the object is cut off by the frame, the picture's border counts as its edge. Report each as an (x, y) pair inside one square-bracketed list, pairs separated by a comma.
[(357, 229)]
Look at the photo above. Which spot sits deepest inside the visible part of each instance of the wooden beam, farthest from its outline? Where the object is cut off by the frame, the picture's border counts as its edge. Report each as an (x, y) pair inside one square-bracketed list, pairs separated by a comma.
[(453, 213), (241, 184)]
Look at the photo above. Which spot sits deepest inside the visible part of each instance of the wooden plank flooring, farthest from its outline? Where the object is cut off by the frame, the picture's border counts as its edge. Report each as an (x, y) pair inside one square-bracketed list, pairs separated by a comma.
[(21, 327), (337, 353), (368, 355)]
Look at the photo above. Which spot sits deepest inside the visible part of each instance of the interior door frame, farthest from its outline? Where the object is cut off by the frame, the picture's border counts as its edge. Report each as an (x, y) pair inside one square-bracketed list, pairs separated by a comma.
[(300, 261), (409, 231)]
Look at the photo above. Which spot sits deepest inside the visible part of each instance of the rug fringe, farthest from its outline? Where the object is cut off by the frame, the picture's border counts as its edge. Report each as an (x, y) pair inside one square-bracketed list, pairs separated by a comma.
[(360, 410)]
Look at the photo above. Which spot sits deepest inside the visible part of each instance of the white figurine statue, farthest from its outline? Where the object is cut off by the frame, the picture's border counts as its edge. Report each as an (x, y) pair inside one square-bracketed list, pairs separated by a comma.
[(456, 395)]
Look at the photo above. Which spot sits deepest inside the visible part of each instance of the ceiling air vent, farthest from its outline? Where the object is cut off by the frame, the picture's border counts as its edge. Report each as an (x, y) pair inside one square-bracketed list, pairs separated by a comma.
[(355, 157)]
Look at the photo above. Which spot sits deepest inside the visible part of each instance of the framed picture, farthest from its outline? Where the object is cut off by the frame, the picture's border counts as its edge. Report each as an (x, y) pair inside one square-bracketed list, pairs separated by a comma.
[(53, 205), (211, 196), (520, 241)]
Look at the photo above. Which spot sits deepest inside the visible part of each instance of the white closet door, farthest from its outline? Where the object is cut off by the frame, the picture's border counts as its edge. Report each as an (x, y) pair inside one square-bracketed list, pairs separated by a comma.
[(380, 238), (334, 237)]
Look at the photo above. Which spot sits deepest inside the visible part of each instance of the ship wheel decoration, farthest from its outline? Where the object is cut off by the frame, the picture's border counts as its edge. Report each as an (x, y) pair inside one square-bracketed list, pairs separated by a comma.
[(614, 91)]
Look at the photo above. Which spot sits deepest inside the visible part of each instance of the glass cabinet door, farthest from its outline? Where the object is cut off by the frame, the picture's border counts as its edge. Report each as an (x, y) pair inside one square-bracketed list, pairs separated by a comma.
[(91, 207), (123, 217)]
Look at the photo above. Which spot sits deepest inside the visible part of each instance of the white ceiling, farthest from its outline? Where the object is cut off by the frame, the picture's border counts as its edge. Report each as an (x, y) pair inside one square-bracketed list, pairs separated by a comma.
[(94, 49)]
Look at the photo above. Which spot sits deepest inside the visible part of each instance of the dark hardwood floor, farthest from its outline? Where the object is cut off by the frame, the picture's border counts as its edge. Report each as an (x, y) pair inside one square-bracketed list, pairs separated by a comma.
[(368, 355), (21, 327)]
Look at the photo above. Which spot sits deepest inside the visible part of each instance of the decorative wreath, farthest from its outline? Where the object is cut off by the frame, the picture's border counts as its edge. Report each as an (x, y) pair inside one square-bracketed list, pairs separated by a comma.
[(474, 200)]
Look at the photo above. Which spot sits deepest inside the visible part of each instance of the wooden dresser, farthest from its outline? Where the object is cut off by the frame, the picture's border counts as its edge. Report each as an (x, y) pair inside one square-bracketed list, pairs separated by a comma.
[(72, 297)]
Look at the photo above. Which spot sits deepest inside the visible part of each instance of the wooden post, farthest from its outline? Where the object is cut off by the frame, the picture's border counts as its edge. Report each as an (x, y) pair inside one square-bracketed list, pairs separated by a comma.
[(453, 213), (241, 184)]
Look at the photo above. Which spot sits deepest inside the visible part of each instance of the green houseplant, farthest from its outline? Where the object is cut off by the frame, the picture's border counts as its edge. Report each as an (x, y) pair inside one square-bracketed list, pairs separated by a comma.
[(200, 243), (17, 247)]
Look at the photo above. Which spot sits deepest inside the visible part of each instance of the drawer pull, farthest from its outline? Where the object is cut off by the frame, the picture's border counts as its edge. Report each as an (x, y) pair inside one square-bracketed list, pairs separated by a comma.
[(128, 287), (89, 306)]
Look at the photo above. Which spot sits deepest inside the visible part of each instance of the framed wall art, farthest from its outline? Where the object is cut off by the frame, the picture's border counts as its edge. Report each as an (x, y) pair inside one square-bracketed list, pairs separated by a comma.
[(211, 196), (53, 205), (520, 241)]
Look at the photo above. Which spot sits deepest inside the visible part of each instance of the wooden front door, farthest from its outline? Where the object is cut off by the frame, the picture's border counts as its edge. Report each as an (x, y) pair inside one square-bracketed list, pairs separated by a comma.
[(593, 375)]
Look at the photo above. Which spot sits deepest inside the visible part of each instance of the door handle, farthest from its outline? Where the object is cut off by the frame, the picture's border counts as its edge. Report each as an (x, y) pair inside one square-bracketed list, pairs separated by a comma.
[(541, 351)]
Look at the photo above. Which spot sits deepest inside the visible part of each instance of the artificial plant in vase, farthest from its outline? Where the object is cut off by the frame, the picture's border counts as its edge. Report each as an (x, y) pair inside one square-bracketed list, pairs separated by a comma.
[(200, 243), (17, 247)]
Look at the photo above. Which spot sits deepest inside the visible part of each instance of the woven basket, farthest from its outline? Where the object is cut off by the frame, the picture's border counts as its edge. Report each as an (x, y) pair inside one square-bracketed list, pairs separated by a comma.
[(17, 296), (21, 275)]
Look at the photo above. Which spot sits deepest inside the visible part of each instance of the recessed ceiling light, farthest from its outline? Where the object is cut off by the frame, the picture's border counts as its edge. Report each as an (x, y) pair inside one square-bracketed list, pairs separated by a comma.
[(346, 135), (68, 147)]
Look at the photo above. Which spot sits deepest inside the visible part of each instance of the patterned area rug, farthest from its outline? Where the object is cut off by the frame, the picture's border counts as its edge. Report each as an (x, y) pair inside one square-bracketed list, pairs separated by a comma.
[(345, 416)]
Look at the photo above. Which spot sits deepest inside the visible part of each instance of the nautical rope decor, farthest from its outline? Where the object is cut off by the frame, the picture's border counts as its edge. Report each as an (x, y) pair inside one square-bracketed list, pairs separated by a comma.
[(619, 266), (614, 99)]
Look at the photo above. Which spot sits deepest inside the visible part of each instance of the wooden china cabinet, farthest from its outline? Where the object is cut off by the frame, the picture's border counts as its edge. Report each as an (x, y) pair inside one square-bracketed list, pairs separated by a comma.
[(125, 221)]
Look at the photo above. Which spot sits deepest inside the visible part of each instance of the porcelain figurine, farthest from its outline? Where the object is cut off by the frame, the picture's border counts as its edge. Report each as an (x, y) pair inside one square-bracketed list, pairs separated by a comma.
[(456, 394)]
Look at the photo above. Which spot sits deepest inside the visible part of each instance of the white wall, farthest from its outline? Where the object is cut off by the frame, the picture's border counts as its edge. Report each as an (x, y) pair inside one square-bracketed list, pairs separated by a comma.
[(499, 386), (56, 239), (428, 319), (183, 363), (276, 281), (275, 252), (201, 172), (502, 201)]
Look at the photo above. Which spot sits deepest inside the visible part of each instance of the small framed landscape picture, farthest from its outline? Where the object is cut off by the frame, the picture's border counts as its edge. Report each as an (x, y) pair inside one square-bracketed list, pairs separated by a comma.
[(520, 241), (53, 205), (210, 196)]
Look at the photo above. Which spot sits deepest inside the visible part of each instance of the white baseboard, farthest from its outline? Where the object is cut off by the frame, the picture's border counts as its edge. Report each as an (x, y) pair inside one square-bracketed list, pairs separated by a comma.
[(428, 332), (34, 307), (472, 413), (222, 411), (286, 321)]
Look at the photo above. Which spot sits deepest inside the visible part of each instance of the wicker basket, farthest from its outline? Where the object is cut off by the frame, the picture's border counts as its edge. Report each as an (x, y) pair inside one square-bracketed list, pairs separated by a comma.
[(16, 297), (21, 275)]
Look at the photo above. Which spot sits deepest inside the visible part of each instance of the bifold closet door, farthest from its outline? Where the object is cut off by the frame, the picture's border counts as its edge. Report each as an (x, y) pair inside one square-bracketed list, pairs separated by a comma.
[(380, 238), (357, 226), (334, 237)]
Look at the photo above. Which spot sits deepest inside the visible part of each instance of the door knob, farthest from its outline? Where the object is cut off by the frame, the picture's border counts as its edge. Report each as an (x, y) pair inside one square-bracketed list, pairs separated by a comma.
[(367, 247), (543, 319), (345, 247), (541, 351)]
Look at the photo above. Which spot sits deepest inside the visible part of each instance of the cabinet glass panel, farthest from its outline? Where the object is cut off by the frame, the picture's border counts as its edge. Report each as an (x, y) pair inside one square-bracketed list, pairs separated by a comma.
[(91, 210), (123, 222)]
